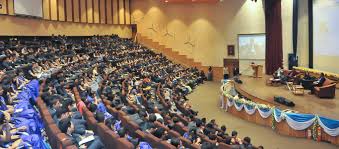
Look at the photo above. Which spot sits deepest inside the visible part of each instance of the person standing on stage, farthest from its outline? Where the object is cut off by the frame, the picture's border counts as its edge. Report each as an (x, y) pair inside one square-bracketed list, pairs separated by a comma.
[(226, 73)]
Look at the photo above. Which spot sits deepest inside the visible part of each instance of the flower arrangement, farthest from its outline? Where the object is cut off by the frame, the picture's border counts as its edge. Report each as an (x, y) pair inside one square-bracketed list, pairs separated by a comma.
[(264, 107), (273, 122), (315, 130)]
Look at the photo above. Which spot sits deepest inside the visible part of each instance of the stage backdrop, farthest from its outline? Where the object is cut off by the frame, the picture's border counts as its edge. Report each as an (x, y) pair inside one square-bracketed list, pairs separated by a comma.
[(251, 49), (325, 34)]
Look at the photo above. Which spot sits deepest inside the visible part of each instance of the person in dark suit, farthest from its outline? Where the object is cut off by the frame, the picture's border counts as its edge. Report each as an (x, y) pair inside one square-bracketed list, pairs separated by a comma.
[(319, 82)]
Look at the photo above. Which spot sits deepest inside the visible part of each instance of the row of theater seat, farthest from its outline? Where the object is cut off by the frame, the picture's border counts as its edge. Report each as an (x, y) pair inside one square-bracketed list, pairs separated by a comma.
[(56, 138), (108, 137), (180, 130)]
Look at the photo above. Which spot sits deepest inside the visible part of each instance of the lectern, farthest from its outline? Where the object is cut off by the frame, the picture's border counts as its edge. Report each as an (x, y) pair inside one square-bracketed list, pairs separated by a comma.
[(257, 70)]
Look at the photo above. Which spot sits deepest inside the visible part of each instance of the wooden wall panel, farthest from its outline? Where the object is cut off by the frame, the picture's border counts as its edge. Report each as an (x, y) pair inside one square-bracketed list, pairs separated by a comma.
[(53, 9), (83, 11), (127, 12), (115, 11), (69, 10), (121, 12), (102, 10), (3, 9), (76, 11), (45, 10), (90, 11), (109, 11), (61, 10), (10, 5), (96, 11)]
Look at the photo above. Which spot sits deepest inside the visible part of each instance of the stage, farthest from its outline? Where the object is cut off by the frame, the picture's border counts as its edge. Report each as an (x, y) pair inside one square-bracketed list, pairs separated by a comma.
[(303, 103)]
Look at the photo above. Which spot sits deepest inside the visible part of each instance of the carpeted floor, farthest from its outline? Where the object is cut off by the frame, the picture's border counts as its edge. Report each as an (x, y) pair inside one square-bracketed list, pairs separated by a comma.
[(205, 99)]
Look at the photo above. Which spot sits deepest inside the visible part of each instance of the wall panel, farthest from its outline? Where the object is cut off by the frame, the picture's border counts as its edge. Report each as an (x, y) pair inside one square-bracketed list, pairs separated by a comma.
[(45, 9), (90, 11), (69, 10), (54, 9), (115, 11), (102, 10), (61, 10), (109, 11), (83, 11), (76, 10), (10, 5), (121, 12), (96, 11), (127, 12), (14, 26), (3, 9)]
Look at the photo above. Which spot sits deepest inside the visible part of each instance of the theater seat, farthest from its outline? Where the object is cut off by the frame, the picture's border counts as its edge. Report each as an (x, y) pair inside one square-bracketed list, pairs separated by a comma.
[(87, 113), (188, 144), (121, 114), (166, 145), (132, 126), (122, 143), (47, 119), (174, 133), (92, 123), (158, 124), (102, 129), (224, 146), (63, 140), (112, 111), (139, 134), (152, 140), (327, 90), (71, 147), (108, 138), (52, 131)]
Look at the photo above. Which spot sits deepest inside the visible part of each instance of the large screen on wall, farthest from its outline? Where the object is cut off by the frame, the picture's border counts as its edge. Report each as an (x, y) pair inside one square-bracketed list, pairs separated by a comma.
[(326, 35), (251, 49), (28, 7)]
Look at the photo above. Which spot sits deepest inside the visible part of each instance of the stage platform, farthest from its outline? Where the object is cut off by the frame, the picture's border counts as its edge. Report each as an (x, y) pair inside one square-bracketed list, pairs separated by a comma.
[(303, 103)]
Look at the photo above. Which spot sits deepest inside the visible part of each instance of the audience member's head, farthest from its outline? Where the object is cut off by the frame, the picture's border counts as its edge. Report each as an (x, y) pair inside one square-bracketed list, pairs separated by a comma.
[(175, 142), (100, 117), (122, 132)]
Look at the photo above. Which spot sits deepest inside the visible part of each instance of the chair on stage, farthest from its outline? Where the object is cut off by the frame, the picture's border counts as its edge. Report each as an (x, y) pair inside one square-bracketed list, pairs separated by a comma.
[(307, 84), (327, 90)]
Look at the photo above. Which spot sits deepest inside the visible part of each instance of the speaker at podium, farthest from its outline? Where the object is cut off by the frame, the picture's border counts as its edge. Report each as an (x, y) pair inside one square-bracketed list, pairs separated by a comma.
[(257, 70)]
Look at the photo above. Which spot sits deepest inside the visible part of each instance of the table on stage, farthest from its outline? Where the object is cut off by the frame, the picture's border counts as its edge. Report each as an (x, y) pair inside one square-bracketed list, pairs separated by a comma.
[(257, 70)]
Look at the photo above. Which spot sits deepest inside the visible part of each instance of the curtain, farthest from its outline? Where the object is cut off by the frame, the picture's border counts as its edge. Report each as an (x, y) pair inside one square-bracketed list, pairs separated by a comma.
[(274, 53)]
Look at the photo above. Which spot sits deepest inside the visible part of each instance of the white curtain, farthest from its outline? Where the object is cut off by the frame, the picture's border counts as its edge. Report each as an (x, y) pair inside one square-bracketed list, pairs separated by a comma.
[(332, 132), (298, 125)]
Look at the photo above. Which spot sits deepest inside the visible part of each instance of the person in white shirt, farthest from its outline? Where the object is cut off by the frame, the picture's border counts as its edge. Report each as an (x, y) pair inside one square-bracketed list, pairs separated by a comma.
[(226, 73)]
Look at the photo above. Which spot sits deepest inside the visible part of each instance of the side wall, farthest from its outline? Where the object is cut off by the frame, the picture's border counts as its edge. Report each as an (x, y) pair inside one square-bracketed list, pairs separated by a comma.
[(209, 27)]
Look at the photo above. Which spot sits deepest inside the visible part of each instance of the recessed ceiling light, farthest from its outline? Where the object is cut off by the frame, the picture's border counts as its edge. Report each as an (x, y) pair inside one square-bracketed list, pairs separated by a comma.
[(166, 1)]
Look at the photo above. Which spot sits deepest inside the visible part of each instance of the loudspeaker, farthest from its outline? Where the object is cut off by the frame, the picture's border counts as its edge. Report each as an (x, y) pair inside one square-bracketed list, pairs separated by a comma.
[(134, 28), (284, 101), (292, 61)]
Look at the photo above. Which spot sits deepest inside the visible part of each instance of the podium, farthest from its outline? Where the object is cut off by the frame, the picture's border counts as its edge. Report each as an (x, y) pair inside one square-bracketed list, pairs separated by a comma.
[(257, 70)]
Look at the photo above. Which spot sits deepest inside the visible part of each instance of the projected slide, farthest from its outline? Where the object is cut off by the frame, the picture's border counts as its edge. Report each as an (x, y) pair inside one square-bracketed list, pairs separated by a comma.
[(252, 46), (251, 49), (28, 7), (325, 35)]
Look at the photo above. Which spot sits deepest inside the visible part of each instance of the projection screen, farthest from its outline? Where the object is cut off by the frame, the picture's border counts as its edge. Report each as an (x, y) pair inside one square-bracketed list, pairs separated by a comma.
[(28, 7), (252, 48), (325, 35)]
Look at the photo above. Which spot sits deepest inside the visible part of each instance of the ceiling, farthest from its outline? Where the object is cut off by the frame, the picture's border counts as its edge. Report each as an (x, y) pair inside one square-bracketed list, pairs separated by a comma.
[(190, 1)]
